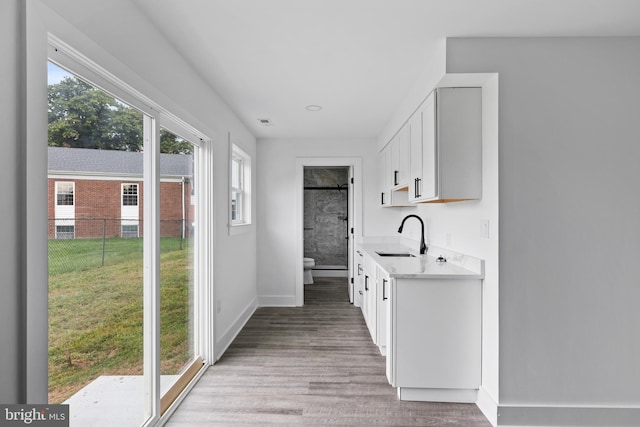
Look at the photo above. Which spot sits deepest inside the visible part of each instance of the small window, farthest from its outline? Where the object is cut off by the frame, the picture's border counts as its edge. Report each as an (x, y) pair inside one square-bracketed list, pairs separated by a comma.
[(240, 187), (65, 231), (129, 194), (64, 193), (129, 230)]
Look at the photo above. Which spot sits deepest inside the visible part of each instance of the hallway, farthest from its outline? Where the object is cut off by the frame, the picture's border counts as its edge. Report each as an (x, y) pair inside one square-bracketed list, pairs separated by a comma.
[(311, 365)]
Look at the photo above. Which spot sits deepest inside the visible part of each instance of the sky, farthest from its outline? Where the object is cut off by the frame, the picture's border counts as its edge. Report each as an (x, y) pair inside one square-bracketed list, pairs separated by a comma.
[(55, 74)]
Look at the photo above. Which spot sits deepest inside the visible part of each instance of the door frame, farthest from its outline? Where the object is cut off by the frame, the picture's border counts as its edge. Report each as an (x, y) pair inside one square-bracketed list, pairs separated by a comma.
[(354, 214)]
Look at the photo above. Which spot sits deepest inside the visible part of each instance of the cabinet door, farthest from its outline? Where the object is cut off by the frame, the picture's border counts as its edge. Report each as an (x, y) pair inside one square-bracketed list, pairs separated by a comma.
[(403, 156), (358, 288), (389, 323), (382, 297), (428, 183), (371, 309), (400, 158), (415, 154), (394, 164), (383, 185)]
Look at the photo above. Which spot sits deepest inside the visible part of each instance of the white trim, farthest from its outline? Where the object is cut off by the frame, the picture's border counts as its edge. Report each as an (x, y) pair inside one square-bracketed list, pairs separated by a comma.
[(455, 395), (488, 405), (355, 219), (90, 176), (561, 416), (151, 276), (277, 300), (330, 273), (204, 262), (66, 57)]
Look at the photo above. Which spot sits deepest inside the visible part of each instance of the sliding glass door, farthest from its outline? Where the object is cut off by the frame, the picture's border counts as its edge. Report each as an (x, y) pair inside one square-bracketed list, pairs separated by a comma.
[(127, 236)]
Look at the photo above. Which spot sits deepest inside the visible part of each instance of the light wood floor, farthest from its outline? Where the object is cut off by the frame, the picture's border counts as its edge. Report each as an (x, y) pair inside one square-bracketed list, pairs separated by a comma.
[(314, 366)]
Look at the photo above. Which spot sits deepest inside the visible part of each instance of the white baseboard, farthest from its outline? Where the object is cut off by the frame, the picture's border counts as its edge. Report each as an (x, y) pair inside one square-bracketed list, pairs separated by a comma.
[(330, 273), (488, 405), (276, 300), (230, 334), (438, 395), (565, 416)]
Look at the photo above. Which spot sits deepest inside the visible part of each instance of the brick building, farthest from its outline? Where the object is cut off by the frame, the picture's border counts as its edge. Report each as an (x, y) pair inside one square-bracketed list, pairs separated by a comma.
[(96, 193)]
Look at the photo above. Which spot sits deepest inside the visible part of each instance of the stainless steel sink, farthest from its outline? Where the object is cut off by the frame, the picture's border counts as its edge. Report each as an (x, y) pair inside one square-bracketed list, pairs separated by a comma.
[(395, 254)]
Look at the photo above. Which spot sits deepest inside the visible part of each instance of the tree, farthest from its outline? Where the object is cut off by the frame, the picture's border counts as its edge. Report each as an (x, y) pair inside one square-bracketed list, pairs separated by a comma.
[(81, 116), (170, 143)]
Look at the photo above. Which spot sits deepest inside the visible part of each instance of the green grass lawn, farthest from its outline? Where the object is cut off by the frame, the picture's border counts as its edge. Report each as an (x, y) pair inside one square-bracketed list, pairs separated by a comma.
[(95, 311)]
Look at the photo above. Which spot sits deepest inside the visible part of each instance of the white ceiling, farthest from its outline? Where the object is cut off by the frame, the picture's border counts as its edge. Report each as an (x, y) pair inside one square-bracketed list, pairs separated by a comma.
[(355, 58)]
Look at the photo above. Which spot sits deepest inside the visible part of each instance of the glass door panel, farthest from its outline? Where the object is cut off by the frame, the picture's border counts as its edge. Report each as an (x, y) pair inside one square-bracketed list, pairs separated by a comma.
[(96, 288), (178, 223)]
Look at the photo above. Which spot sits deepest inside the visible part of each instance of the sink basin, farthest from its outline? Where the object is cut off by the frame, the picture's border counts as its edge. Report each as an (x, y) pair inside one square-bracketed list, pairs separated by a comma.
[(395, 254)]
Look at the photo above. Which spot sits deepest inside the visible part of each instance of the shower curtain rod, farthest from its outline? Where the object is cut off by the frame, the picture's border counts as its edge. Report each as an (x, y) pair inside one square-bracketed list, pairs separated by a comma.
[(337, 187)]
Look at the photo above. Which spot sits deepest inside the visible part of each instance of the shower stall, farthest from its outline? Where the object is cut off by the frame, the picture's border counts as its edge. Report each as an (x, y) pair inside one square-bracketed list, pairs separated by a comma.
[(326, 222)]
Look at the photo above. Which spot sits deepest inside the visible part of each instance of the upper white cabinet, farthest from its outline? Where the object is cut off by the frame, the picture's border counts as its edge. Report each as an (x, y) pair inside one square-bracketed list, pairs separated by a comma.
[(399, 170), (393, 170), (445, 139), (384, 162)]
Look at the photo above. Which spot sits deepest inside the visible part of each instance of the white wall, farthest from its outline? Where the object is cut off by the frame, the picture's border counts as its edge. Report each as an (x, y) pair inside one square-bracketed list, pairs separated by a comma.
[(277, 206), (569, 225), (418, 92)]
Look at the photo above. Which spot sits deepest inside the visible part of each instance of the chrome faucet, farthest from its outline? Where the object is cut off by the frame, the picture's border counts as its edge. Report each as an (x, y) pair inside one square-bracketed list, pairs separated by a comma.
[(423, 246)]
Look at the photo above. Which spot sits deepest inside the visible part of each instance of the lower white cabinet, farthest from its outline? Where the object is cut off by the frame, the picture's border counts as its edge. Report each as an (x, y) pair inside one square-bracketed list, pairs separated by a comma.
[(429, 329), (358, 285), (369, 306), (382, 298), (433, 334), (374, 307)]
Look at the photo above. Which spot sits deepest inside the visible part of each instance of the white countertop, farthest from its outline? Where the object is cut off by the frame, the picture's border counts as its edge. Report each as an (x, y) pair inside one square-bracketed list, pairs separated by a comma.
[(457, 266)]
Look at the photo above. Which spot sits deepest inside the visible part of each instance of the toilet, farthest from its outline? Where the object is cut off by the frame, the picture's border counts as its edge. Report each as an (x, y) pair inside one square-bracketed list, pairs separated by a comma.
[(308, 263)]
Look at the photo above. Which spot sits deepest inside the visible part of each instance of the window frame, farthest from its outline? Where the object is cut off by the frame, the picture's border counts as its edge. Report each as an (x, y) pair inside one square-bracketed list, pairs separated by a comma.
[(243, 190), (70, 233), (72, 194), (129, 196)]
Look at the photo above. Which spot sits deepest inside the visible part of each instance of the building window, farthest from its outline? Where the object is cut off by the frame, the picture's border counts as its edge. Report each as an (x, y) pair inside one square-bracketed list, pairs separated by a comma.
[(64, 193), (240, 186), (129, 230), (129, 194), (65, 231)]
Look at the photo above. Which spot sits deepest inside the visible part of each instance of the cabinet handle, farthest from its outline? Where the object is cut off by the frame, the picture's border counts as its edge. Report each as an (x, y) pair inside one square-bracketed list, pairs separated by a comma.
[(366, 282), (395, 177), (384, 290), (416, 183)]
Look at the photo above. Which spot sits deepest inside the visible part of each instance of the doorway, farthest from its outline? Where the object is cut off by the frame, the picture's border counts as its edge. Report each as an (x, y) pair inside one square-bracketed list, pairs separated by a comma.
[(326, 219), (332, 203)]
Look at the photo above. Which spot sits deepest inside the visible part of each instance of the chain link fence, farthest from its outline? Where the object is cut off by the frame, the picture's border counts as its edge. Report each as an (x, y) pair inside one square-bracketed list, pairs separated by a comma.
[(80, 244)]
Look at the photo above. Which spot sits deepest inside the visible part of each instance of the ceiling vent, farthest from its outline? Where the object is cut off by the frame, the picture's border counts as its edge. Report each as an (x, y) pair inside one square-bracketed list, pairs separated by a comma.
[(265, 122)]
